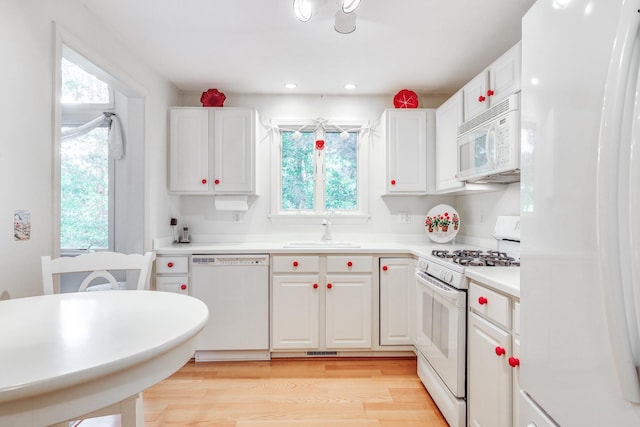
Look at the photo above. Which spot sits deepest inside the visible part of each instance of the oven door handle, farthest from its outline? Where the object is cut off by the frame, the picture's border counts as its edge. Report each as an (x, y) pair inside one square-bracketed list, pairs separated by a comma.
[(455, 296)]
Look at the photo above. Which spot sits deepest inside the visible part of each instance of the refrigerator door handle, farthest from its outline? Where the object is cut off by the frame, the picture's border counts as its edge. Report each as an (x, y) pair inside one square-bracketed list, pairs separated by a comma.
[(613, 297)]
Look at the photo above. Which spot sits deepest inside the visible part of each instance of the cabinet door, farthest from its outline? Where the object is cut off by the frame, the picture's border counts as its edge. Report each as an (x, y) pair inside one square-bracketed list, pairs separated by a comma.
[(504, 75), (448, 118), (489, 382), (234, 150), (397, 301), (406, 151), (475, 96), (189, 151), (348, 311), (295, 311), (516, 380)]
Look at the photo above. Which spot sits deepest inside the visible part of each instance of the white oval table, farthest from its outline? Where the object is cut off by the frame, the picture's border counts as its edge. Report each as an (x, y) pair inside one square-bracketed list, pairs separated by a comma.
[(66, 355)]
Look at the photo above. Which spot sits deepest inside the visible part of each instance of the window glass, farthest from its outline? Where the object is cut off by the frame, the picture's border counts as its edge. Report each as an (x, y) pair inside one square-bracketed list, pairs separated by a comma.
[(84, 198), (80, 87), (298, 178), (319, 177), (341, 171)]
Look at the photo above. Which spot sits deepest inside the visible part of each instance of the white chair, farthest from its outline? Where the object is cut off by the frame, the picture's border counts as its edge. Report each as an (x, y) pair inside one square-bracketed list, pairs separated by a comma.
[(99, 265)]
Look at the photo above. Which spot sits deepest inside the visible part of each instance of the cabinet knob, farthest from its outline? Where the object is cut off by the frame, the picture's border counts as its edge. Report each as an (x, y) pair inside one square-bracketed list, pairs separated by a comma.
[(490, 92), (393, 182), (385, 268), (170, 264), (514, 362), (500, 351), (183, 286), (204, 181), (216, 182), (329, 286), (295, 263), (481, 98), (349, 264), (315, 286), (482, 300)]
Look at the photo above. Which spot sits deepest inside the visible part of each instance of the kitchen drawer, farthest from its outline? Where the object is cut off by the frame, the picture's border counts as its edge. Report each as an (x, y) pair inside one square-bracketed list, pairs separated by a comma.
[(177, 284), (494, 306), (296, 264), (172, 265), (349, 264)]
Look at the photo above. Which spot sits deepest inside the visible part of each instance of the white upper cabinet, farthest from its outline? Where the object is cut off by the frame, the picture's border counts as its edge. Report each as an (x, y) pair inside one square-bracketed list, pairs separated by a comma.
[(234, 153), (499, 80), (408, 133), (190, 169), (212, 150), (448, 118)]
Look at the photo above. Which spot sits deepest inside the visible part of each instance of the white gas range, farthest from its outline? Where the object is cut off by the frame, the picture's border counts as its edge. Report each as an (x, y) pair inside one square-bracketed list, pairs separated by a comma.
[(442, 315)]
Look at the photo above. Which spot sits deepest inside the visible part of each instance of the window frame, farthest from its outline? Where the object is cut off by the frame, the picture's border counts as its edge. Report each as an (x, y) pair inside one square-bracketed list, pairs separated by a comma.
[(311, 217), (76, 114)]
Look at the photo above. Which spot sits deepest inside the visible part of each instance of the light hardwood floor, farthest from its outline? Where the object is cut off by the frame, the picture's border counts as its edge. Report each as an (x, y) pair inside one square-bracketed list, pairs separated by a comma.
[(287, 393)]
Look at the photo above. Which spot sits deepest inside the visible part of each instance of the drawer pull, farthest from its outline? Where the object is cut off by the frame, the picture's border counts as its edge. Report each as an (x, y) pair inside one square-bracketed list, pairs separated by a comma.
[(170, 264), (490, 92), (514, 362), (329, 286), (385, 268), (500, 351), (393, 182), (349, 264), (204, 181), (295, 263), (482, 300), (315, 286), (216, 182), (183, 287)]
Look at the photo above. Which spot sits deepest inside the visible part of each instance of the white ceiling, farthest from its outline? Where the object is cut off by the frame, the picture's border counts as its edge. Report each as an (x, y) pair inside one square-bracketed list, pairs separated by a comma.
[(256, 46)]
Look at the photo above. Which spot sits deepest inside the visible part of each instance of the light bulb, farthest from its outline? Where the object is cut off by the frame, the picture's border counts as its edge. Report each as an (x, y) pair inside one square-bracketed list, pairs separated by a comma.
[(349, 6), (302, 9)]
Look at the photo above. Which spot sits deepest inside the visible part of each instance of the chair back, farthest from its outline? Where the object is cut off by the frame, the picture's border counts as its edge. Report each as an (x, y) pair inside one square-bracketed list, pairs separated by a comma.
[(99, 265)]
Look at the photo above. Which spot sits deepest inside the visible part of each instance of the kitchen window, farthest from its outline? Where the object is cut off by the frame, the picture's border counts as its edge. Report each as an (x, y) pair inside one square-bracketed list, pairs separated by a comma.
[(319, 173), (86, 167)]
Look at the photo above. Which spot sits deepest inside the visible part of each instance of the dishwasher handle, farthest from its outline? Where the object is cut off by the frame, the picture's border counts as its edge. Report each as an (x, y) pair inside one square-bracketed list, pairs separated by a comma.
[(245, 260)]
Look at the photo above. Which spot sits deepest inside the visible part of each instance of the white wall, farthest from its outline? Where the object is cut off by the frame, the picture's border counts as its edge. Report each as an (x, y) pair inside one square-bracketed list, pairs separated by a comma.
[(27, 46)]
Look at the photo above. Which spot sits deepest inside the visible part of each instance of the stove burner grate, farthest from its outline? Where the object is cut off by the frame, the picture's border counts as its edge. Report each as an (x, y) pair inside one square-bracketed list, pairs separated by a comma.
[(477, 258)]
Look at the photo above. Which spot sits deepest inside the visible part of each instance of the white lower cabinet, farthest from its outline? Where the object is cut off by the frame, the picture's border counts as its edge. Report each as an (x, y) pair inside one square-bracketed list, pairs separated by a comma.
[(493, 346), (172, 274), (321, 302), (397, 301)]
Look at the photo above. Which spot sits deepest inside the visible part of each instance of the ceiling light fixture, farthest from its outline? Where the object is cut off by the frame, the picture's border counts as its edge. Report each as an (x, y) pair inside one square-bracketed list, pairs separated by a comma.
[(290, 85), (345, 18), (302, 9), (350, 86)]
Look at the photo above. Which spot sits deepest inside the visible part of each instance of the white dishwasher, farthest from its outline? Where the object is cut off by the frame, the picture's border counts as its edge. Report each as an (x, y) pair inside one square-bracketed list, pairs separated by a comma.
[(236, 290)]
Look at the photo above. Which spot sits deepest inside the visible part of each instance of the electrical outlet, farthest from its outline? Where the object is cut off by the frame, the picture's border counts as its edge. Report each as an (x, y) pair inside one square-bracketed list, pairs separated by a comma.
[(236, 216), (405, 217)]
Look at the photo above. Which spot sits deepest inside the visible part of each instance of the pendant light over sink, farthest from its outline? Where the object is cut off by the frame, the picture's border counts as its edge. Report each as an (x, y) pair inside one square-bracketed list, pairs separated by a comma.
[(345, 17)]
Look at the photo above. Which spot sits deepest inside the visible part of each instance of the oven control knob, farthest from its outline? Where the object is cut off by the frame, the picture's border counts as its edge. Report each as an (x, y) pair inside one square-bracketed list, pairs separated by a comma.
[(448, 277)]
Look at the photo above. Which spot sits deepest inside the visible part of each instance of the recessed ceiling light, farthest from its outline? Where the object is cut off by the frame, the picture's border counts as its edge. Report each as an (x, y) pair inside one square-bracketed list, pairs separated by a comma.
[(350, 86), (290, 85)]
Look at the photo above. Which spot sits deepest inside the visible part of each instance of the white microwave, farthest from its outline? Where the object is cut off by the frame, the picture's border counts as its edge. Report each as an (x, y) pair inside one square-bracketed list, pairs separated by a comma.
[(489, 145)]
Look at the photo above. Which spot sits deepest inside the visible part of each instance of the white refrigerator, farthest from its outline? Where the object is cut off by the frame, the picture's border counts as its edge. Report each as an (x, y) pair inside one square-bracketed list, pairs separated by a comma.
[(580, 213)]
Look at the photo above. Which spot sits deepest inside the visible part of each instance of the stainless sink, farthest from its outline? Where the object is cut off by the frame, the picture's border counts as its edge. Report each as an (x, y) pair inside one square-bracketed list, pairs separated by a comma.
[(320, 244)]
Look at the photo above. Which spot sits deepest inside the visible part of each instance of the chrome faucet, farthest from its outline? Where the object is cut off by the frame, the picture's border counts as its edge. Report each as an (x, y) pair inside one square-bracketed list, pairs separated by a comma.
[(327, 229)]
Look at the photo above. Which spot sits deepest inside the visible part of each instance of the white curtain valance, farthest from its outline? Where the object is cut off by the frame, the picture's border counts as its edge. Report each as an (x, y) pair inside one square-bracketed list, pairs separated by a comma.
[(116, 141)]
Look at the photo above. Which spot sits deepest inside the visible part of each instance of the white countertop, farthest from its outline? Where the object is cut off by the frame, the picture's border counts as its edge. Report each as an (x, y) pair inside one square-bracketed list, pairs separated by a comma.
[(79, 352), (503, 279), (389, 248)]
